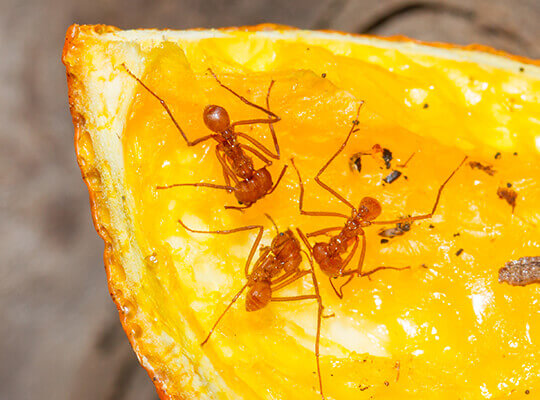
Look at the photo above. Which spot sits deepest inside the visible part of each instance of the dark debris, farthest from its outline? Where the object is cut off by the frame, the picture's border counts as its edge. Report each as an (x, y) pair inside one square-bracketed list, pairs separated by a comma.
[(521, 272), (387, 157), (398, 230), (392, 176), (355, 162), (488, 169), (508, 194)]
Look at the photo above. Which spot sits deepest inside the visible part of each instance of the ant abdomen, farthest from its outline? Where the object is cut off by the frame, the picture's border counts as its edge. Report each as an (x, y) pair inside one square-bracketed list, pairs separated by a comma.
[(249, 191), (259, 296), (216, 118), (330, 264)]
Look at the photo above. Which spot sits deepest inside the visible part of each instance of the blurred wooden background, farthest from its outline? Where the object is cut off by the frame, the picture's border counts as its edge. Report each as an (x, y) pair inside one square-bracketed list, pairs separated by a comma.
[(60, 337)]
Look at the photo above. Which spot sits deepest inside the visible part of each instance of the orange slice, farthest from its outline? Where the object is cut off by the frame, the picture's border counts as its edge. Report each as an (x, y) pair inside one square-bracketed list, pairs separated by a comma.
[(443, 329)]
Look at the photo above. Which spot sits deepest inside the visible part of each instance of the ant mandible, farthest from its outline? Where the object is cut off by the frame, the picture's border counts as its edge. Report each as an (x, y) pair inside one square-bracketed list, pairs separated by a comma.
[(250, 184), (278, 266), (328, 255)]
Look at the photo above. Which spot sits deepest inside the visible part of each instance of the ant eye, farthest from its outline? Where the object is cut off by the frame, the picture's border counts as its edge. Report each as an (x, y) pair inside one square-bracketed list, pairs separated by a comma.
[(281, 233)]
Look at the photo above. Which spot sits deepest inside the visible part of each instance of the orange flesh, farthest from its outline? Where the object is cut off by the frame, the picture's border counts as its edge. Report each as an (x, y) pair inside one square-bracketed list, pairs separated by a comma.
[(444, 329)]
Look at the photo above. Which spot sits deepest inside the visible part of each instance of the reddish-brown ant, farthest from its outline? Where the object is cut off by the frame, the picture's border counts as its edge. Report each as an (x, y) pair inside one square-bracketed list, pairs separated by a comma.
[(328, 255), (277, 267), (250, 184)]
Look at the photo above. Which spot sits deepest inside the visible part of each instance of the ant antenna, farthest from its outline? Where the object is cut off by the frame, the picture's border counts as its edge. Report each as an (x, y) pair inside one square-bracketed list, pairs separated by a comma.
[(236, 296), (273, 222)]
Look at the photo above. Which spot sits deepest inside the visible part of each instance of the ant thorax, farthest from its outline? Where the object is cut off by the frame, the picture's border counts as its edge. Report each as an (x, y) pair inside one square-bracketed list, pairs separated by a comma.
[(354, 224), (268, 269), (229, 136), (243, 167)]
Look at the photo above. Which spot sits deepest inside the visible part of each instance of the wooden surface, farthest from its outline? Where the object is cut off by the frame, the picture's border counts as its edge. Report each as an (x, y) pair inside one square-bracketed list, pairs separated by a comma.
[(60, 337)]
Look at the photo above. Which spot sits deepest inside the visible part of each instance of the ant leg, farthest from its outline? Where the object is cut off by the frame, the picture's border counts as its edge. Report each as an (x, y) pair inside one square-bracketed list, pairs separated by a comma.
[(368, 273), (228, 231), (271, 125), (209, 185), (257, 154), (256, 121), (349, 256), (424, 216), (335, 290), (257, 144), (362, 255), (270, 122), (274, 117), (323, 231), (301, 201), (320, 310), (282, 278), (339, 293), (358, 269), (236, 296), (290, 280), (262, 257), (295, 298), (278, 180), (239, 208), (407, 161), (167, 109), (304, 239), (317, 177), (226, 169), (226, 177), (273, 222)]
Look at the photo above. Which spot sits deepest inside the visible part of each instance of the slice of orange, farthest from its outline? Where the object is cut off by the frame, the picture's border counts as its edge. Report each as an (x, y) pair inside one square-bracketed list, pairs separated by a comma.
[(443, 329)]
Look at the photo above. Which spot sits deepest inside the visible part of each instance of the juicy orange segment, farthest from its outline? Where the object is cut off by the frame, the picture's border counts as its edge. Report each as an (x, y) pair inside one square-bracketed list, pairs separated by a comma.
[(443, 329), (445, 326)]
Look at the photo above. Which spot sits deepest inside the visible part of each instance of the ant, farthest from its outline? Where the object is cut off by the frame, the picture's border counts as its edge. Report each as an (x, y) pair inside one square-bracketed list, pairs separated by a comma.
[(250, 184), (329, 255), (278, 266)]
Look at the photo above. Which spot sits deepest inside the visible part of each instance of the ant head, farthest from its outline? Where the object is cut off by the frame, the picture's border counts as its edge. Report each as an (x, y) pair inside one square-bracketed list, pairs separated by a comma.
[(282, 238), (216, 118), (369, 208)]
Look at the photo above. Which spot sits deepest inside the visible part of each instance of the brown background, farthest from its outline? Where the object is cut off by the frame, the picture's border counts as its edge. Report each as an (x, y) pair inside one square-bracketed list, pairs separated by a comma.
[(60, 337)]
